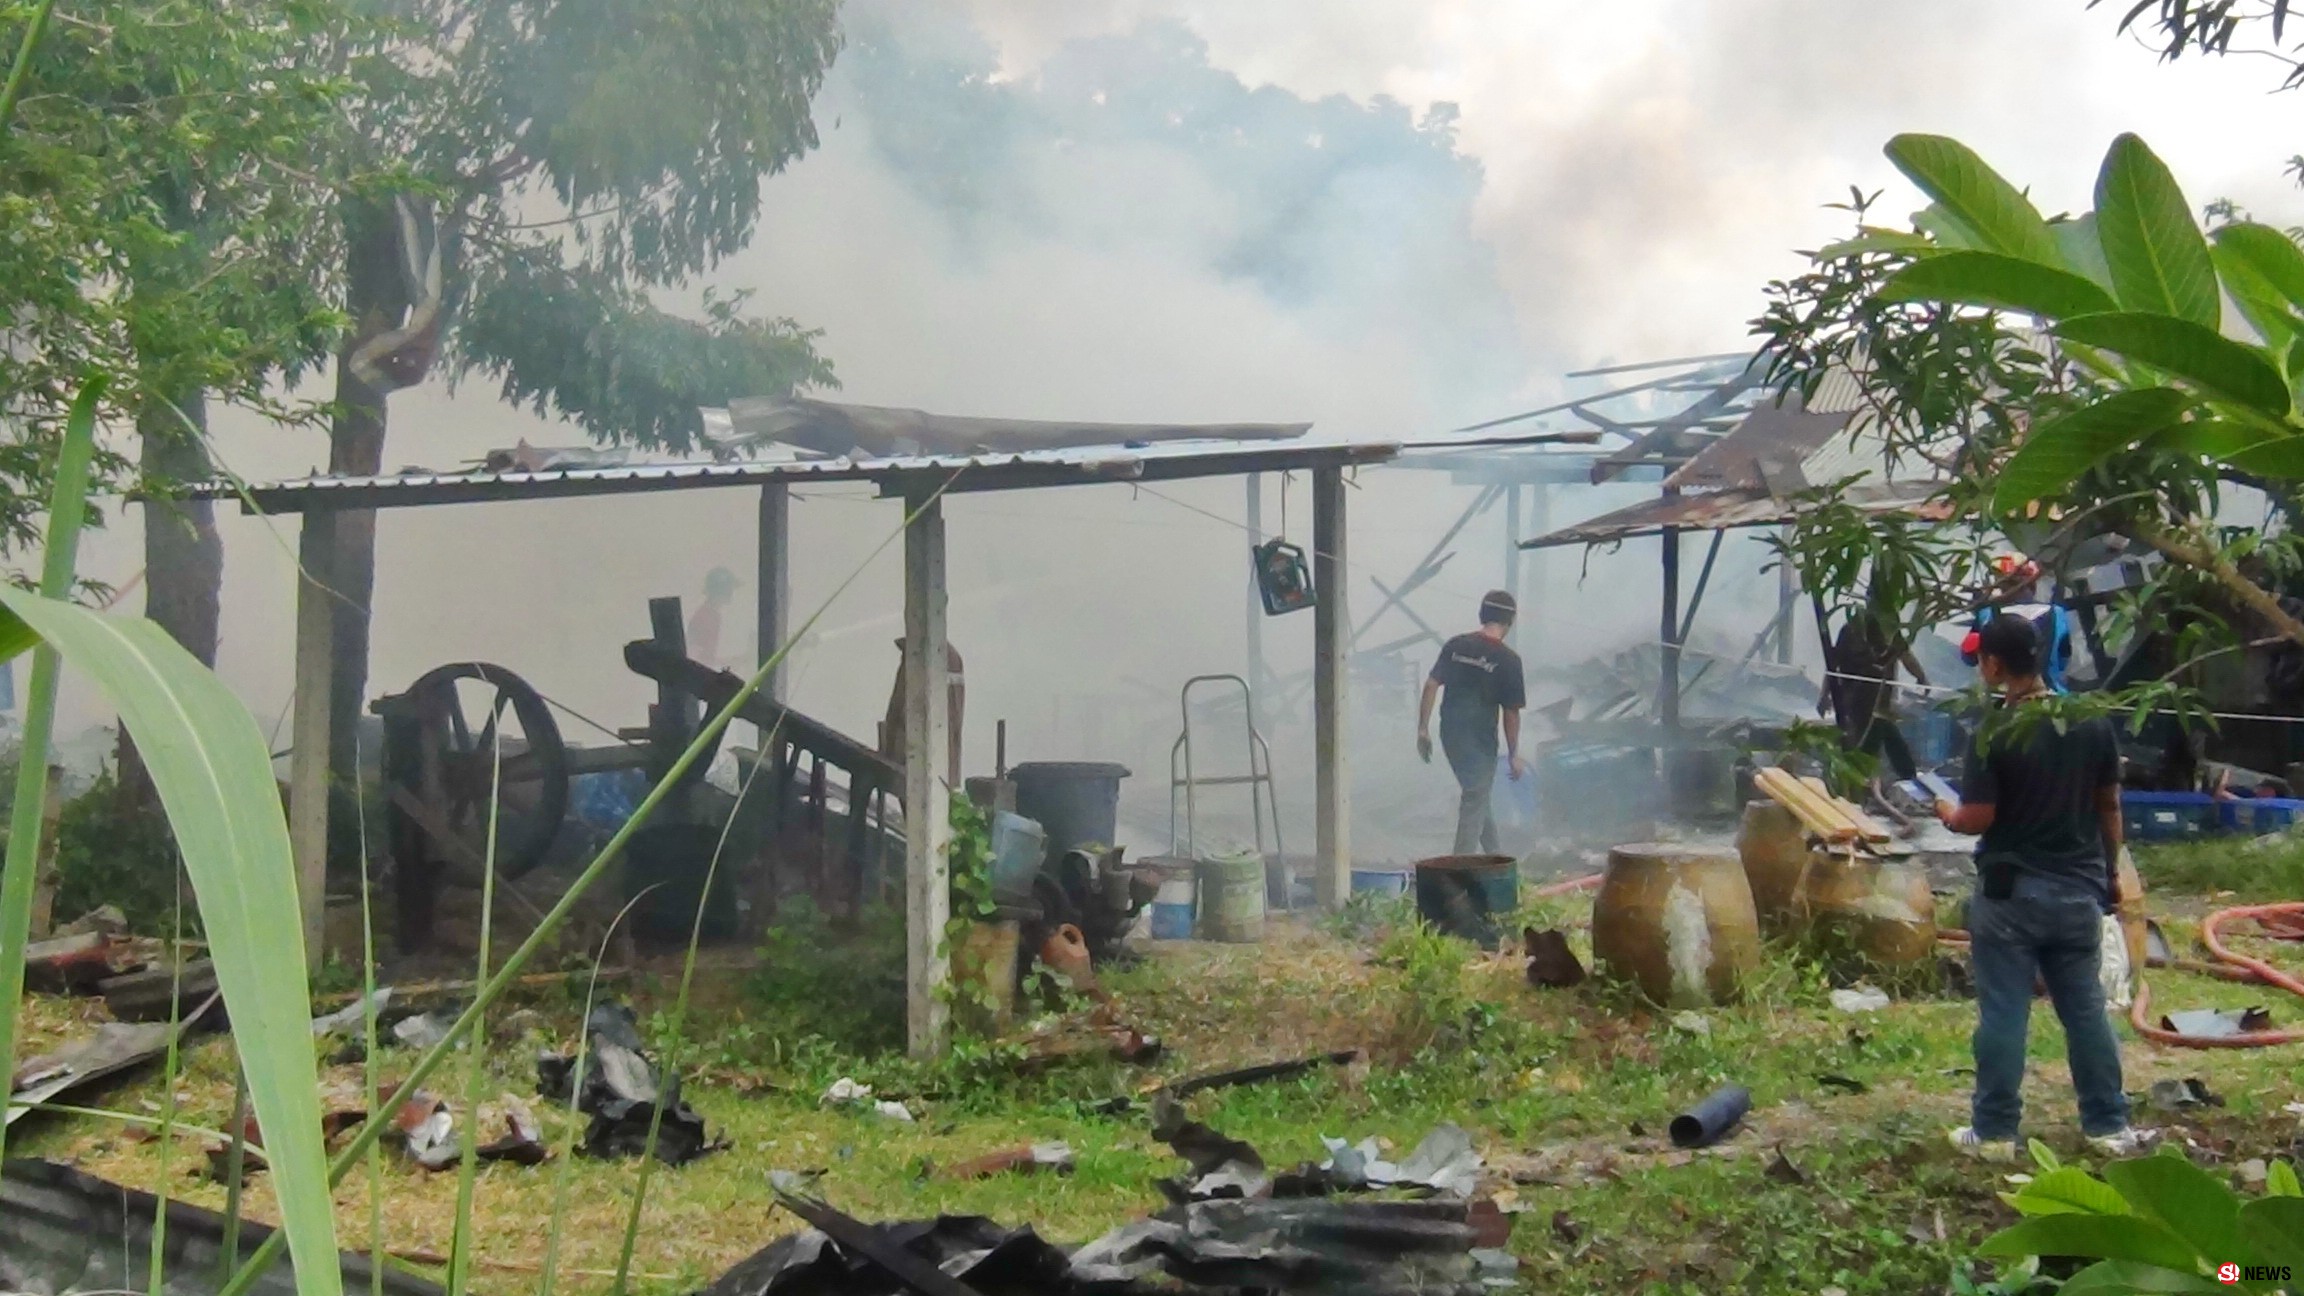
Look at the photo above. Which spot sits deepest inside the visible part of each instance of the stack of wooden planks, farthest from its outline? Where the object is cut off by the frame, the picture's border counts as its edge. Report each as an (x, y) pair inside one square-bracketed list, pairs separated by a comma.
[(1829, 818)]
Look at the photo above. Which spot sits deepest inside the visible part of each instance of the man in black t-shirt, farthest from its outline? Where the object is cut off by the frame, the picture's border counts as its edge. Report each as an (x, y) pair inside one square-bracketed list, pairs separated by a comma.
[(2046, 804), (1478, 683)]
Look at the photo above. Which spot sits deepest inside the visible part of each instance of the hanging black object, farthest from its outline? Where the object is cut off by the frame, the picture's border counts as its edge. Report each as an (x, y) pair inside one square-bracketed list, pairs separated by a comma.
[(1283, 577)]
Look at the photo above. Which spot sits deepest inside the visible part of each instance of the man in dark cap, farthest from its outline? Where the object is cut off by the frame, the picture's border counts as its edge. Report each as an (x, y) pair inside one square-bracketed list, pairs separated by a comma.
[(1477, 683)]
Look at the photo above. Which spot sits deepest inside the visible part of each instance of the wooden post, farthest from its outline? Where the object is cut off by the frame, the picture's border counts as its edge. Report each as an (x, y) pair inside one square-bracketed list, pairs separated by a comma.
[(1668, 687), (774, 579), (927, 800), (1255, 596), (1332, 777), (308, 732)]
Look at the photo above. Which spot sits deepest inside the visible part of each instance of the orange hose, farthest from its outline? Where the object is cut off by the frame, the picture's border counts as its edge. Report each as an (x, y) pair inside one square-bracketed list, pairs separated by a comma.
[(2241, 967), (1584, 883)]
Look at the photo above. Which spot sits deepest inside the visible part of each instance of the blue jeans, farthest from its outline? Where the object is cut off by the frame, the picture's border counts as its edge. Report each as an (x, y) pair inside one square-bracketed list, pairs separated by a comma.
[(2056, 934), (1472, 758)]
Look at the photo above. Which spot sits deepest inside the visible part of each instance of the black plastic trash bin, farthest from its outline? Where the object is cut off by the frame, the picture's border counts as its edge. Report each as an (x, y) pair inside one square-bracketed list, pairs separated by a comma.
[(1074, 802)]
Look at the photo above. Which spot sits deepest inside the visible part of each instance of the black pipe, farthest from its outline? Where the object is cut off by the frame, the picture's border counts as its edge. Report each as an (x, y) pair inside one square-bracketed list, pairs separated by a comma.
[(1708, 1121)]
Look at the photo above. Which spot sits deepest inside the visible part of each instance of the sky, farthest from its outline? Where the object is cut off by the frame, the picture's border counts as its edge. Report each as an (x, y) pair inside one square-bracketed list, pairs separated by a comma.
[(1388, 217)]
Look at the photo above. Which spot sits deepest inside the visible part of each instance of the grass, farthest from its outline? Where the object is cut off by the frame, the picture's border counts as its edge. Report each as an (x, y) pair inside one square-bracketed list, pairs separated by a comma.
[(2254, 870), (1551, 1083)]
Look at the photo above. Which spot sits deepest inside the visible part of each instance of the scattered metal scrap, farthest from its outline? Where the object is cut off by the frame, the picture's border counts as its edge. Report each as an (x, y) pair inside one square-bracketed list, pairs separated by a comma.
[(622, 1092), (2212, 1023), (114, 1047), (1264, 1071), (63, 1232)]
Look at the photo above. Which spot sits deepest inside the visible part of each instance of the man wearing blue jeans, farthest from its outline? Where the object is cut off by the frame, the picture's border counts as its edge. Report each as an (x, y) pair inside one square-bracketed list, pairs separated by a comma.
[(2047, 806)]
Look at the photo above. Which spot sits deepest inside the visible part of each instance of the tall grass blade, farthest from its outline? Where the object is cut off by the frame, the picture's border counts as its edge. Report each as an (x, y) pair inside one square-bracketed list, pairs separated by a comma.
[(213, 772), (371, 1078), (171, 1071), (14, 90), (502, 979), (468, 1167), (67, 508)]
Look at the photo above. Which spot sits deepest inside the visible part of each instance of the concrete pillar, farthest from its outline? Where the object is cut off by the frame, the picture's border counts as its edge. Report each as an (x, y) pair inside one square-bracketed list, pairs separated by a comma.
[(309, 725), (773, 580), (927, 798)]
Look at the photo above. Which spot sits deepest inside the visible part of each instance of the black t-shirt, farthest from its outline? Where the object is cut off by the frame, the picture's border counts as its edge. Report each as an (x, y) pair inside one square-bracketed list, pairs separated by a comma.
[(1478, 676), (2043, 787)]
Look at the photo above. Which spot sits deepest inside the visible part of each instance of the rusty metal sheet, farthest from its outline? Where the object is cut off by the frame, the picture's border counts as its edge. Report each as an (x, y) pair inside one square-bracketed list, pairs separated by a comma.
[(1725, 510), (1768, 442)]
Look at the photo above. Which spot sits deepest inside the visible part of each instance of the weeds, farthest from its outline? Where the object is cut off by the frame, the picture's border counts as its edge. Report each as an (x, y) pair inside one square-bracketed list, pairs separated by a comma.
[(2252, 868)]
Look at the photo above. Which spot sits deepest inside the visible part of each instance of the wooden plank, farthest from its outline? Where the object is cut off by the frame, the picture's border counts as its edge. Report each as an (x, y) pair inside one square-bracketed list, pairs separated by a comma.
[(1332, 780), (308, 726), (773, 607), (716, 687), (927, 808)]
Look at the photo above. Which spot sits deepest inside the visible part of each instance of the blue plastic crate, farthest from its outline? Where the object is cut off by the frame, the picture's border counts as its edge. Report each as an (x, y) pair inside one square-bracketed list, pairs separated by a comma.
[(2168, 816), (2272, 814)]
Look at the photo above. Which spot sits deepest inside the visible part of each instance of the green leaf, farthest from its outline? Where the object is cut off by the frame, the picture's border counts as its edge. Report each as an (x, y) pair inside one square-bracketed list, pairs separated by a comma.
[(1946, 231), (2061, 449), (2002, 219), (2125, 1277), (2260, 303), (2083, 249), (2201, 356), (2270, 255), (2043, 1156), (2092, 1237), (2068, 1190), (2282, 1181), (2272, 1232), (2192, 1203), (213, 771), (2281, 458), (2000, 282), (2212, 438), (1874, 239), (16, 638), (2158, 257)]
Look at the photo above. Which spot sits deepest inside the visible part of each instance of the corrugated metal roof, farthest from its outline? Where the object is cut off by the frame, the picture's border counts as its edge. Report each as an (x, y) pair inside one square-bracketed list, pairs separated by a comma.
[(1086, 465), (1761, 452), (1728, 509)]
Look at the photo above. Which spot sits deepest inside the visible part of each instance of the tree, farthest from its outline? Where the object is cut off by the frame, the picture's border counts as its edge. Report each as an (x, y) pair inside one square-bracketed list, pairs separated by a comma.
[(544, 165)]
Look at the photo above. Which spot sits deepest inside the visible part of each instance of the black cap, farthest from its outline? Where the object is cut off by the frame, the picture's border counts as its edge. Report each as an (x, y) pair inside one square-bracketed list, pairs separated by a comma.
[(1498, 607)]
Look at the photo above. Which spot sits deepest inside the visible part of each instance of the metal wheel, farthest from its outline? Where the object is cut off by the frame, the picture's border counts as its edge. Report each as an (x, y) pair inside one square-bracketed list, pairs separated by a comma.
[(471, 728)]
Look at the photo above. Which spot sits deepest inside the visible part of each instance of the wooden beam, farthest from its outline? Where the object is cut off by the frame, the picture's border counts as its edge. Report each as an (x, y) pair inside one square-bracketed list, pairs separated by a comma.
[(1332, 777), (774, 580), (308, 731), (927, 800)]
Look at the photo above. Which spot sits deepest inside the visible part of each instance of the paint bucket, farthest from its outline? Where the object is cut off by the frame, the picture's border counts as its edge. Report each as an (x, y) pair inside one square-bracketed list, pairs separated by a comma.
[(1174, 899), (1231, 907), (1468, 895), (1677, 922), (1018, 850), (1383, 883)]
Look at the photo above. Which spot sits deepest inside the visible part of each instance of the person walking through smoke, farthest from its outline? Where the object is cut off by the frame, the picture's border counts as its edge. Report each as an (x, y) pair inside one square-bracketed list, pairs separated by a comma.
[(2046, 801), (1477, 683)]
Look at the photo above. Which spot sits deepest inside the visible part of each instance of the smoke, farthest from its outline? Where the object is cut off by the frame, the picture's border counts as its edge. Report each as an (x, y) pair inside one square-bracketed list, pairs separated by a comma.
[(1384, 218)]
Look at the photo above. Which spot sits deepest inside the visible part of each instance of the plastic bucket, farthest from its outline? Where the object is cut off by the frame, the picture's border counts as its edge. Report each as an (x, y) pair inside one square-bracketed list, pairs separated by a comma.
[(1074, 802), (1383, 882), (1172, 910), (1018, 851), (1467, 895), (1232, 898)]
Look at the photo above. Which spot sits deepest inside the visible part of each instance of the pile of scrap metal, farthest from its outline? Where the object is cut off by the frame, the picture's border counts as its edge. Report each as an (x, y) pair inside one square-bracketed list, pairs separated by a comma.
[(612, 1080), (64, 1232), (1623, 686)]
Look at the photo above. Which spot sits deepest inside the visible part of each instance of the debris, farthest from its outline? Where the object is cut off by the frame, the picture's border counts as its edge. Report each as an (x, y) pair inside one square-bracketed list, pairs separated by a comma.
[(2212, 1023), (1293, 1246), (2157, 951), (622, 1093), (522, 1142), (1491, 1227), (350, 1019), (427, 1131), (1026, 1158), (1710, 1120), (114, 1047), (1781, 1170), (1551, 964), (157, 993), (1264, 1071), (65, 1231), (1692, 1021), (1565, 1228), (2253, 1173), (894, 1111), (103, 920), (1860, 999), (847, 1257), (1845, 1084), (425, 1030), (78, 963), (1444, 1162), (1221, 1166), (845, 1091), (2182, 1095)]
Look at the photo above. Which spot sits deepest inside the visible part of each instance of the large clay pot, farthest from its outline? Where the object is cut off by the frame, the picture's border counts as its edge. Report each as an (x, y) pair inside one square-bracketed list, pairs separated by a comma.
[(1879, 910), (1676, 921), (1774, 849)]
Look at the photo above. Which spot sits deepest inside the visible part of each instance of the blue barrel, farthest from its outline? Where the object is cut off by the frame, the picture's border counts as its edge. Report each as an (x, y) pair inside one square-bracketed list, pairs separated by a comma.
[(1074, 802)]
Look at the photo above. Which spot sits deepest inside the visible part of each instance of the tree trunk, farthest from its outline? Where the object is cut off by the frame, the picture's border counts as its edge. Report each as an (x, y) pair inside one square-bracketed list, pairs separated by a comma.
[(183, 555), (376, 298)]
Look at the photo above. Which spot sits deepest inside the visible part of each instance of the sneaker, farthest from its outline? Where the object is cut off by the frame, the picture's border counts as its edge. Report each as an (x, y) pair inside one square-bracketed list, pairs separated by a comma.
[(1967, 1140), (2128, 1142)]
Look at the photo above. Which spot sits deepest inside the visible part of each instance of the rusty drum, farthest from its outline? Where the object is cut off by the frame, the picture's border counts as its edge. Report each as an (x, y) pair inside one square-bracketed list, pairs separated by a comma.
[(1677, 921)]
